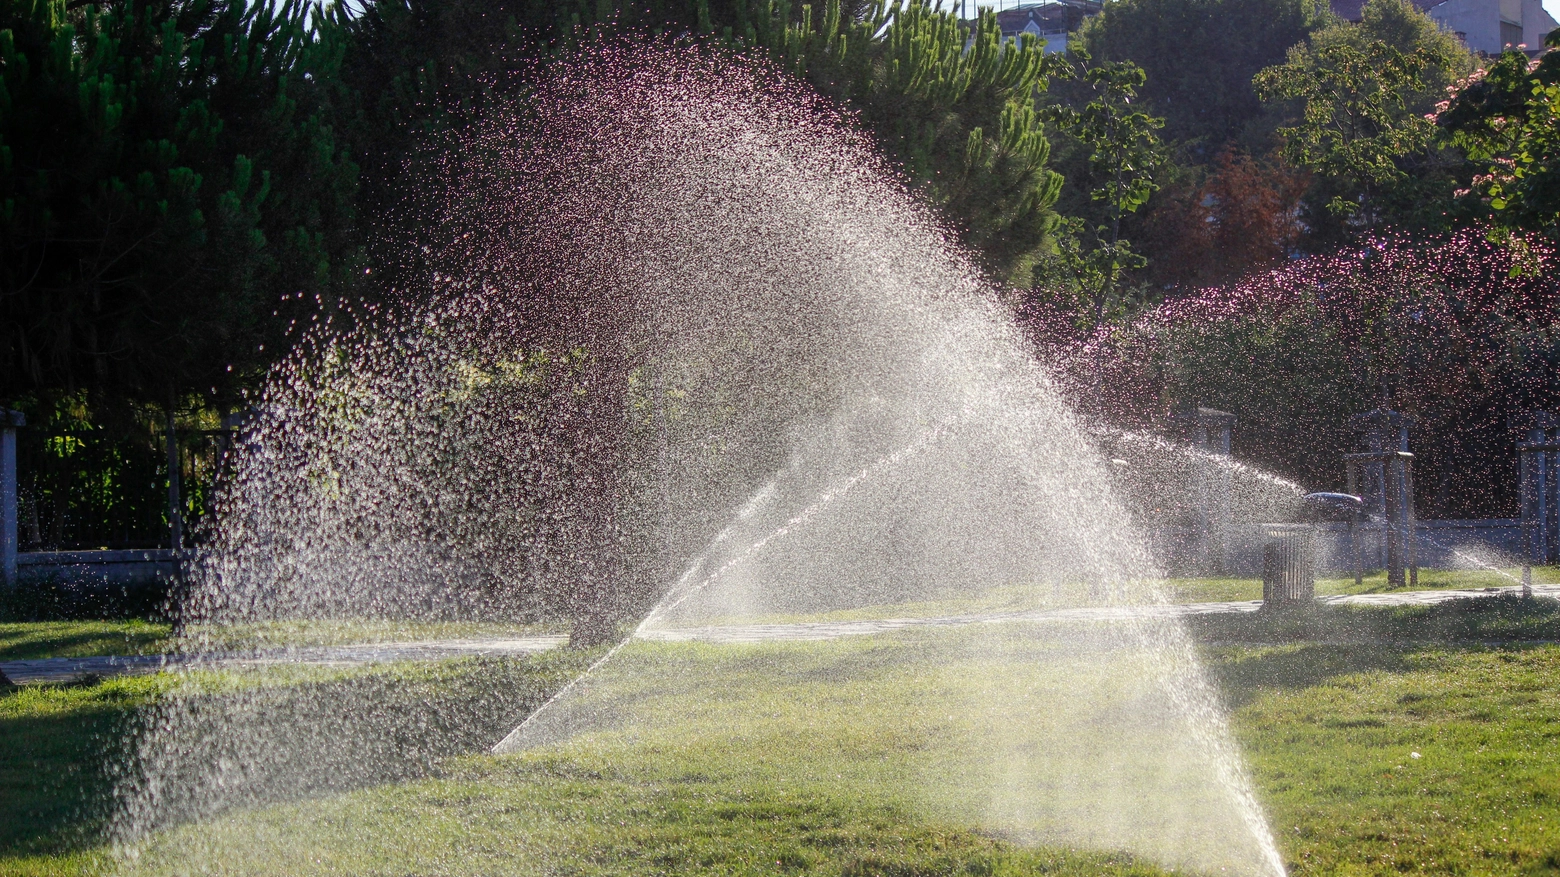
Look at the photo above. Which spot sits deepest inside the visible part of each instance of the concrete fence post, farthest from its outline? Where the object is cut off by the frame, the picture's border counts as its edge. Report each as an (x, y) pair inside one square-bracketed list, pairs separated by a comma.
[(10, 421), (1383, 476), (175, 490), (1538, 490), (1209, 430)]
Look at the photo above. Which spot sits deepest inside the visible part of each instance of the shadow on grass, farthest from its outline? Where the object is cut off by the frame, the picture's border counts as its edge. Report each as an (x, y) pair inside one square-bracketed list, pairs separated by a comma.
[(255, 742), (1493, 619), (54, 779), (1243, 675), (17, 643), (1319, 642)]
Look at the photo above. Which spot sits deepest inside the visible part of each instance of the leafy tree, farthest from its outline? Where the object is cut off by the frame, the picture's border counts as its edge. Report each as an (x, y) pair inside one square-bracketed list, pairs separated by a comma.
[(1460, 325), (1122, 154), (1358, 98), (1508, 120), (1199, 57), (1243, 215), (171, 193)]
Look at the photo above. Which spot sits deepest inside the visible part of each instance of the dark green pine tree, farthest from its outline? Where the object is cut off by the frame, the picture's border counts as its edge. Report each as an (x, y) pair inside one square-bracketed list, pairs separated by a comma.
[(172, 194), (955, 107)]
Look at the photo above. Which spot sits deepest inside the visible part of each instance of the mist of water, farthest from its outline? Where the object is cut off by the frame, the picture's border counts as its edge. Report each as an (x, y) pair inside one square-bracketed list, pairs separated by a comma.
[(696, 357)]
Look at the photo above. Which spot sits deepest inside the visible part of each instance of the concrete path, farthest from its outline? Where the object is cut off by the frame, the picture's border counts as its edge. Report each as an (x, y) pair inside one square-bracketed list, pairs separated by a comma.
[(66, 669), (828, 630), (1430, 598)]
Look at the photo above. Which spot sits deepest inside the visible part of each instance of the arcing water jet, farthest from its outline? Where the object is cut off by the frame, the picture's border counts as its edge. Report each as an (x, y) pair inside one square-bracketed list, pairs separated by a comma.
[(696, 282)]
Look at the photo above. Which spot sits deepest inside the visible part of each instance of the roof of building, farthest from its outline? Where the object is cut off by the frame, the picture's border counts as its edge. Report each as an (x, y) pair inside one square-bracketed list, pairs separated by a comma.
[(1055, 16), (1350, 10)]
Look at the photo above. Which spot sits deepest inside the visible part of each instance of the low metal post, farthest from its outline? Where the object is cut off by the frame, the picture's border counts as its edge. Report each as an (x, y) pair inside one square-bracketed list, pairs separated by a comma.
[(1354, 549), (1551, 487), (1352, 471), (10, 422), (1541, 477), (1393, 492), (1410, 519)]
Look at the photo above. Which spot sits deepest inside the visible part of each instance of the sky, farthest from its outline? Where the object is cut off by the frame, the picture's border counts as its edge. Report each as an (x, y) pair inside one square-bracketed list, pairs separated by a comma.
[(1550, 6)]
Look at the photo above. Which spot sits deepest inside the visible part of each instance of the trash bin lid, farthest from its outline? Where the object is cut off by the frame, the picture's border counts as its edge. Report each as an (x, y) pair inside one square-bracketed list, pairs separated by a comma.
[(1333, 506)]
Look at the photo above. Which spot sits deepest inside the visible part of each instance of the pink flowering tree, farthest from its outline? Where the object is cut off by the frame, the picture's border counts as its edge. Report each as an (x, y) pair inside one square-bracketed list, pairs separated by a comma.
[(1460, 335)]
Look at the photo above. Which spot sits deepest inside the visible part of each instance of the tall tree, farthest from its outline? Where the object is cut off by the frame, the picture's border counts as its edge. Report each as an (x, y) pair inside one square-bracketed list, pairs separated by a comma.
[(1199, 56), (1116, 155), (1508, 120), (171, 193), (1242, 216), (955, 107), (951, 104), (1357, 97)]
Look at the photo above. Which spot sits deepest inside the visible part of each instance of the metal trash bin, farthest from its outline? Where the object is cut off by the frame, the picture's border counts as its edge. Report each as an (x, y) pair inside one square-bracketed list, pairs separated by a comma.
[(1288, 564), (1289, 550)]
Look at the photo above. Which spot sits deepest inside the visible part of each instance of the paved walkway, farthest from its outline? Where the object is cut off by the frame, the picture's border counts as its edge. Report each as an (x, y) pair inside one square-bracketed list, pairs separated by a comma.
[(1430, 598), (66, 669), (828, 630)]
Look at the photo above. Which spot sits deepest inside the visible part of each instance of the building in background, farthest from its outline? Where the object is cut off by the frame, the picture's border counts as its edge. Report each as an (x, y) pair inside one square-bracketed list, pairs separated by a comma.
[(1051, 21), (1487, 26)]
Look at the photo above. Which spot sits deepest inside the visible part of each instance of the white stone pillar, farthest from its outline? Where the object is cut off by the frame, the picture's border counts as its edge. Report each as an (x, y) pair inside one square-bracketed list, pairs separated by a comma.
[(10, 421)]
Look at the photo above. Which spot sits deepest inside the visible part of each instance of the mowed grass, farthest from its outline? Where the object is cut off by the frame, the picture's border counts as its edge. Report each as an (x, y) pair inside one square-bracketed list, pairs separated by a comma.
[(56, 742), (133, 636), (875, 755), (1498, 618), (27, 640), (1328, 729), (498, 817), (61, 744), (1022, 598), (1378, 760)]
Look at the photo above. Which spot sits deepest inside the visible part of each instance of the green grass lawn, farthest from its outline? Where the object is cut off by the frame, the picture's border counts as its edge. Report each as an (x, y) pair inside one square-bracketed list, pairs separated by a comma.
[(1377, 760), (64, 639), (83, 638), (845, 759), (1503, 618), (54, 744), (833, 749), (367, 725), (1013, 598), (22, 640)]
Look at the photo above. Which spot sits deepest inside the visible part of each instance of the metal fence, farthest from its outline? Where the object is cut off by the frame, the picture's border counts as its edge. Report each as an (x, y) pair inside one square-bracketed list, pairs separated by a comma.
[(111, 489)]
